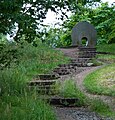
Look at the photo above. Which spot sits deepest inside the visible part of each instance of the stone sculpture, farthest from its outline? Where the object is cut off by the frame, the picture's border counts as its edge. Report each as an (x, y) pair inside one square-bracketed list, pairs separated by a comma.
[(84, 31)]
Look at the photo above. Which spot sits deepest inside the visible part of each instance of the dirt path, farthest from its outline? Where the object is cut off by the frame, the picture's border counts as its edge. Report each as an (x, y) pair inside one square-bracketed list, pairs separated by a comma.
[(81, 113), (79, 82), (80, 77), (75, 113)]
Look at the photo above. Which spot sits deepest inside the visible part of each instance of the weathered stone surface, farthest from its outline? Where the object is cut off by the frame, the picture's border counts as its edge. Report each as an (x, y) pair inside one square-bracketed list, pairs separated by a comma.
[(47, 76), (60, 101), (84, 30)]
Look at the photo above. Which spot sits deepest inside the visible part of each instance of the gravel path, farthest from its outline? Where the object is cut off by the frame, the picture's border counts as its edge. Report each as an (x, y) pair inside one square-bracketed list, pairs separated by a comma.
[(65, 113), (79, 82), (75, 114)]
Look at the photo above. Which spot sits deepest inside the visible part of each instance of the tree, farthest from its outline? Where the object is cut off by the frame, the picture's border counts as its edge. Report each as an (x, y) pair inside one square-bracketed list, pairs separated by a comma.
[(28, 14), (104, 21), (102, 17)]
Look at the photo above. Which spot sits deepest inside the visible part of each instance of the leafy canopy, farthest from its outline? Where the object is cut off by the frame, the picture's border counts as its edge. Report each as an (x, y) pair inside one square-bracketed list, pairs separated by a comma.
[(29, 15)]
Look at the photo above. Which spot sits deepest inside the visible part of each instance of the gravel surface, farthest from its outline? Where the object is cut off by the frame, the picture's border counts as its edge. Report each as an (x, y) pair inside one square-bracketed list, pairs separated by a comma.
[(76, 114)]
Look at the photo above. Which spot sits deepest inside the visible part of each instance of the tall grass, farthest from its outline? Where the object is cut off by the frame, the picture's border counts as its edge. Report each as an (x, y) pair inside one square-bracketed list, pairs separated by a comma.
[(17, 101), (24, 108), (69, 89)]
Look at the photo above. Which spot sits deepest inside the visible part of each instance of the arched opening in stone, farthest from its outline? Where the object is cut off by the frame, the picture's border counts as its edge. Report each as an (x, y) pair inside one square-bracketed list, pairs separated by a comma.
[(84, 41)]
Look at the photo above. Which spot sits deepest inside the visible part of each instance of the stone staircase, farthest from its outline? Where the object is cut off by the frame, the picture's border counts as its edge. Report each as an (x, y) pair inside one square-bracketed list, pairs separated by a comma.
[(84, 52), (45, 83)]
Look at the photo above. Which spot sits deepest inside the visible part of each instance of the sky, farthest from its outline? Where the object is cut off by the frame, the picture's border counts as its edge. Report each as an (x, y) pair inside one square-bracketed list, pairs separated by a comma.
[(110, 1)]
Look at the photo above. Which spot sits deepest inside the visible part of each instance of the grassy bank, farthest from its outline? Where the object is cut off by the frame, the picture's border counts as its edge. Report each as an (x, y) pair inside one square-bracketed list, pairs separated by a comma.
[(24, 108), (101, 81), (110, 48), (17, 102), (106, 48)]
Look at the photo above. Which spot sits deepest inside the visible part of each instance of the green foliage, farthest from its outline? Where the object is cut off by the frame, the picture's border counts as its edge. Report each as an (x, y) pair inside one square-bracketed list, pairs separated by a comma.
[(65, 39), (102, 17), (51, 37), (17, 101), (101, 81), (3, 39), (104, 21), (24, 108), (111, 36), (69, 89), (28, 15), (106, 48), (101, 108), (8, 55)]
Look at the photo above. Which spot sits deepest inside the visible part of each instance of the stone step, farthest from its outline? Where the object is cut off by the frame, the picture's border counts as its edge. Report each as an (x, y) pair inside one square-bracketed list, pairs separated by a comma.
[(63, 101), (43, 86), (86, 49), (41, 82), (81, 60), (86, 55), (67, 66), (62, 71), (79, 64), (66, 71), (46, 76)]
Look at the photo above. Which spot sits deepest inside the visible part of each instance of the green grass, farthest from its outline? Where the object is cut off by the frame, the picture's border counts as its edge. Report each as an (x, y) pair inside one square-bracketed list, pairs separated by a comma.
[(106, 57), (101, 108), (69, 89), (17, 101), (24, 108), (106, 48), (101, 81)]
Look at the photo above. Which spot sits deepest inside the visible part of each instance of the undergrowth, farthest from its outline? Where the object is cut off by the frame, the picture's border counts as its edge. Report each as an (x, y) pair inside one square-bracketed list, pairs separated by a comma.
[(24, 107), (17, 101)]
